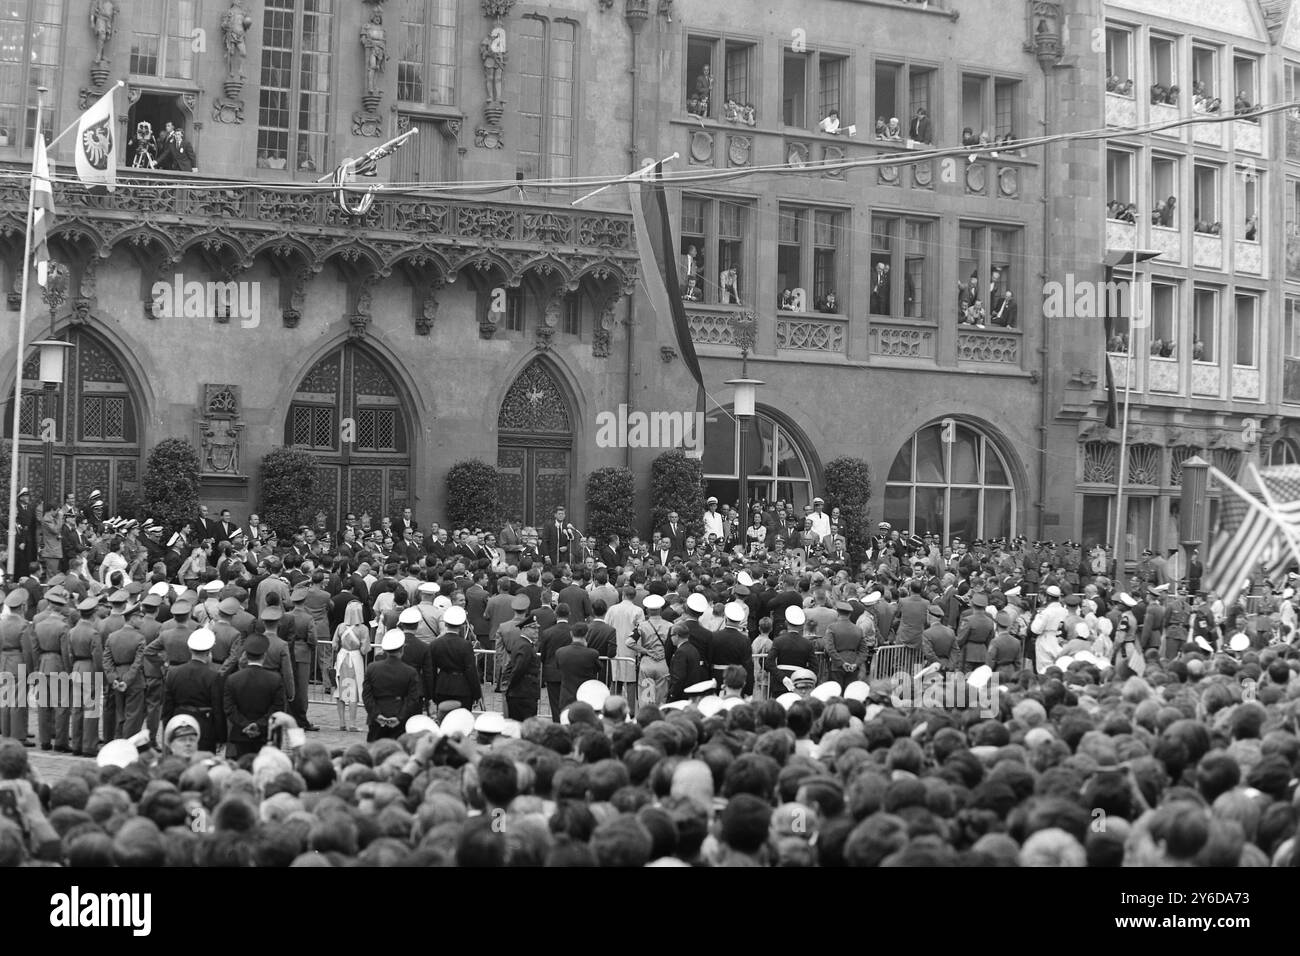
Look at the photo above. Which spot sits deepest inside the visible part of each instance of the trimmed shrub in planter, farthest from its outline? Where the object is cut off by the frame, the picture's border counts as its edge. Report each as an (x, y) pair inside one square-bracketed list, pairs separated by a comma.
[(289, 493), (472, 491), (848, 487), (611, 503), (171, 484), (677, 484)]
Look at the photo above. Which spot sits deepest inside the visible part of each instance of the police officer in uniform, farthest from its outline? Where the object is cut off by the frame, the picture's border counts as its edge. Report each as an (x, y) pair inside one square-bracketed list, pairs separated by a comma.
[(975, 633), (170, 647), (194, 688), (18, 659), (124, 674), (939, 641), (523, 677), (730, 645), (252, 694), (390, 690), (50, 630), (151, 627), (224, 632), (455, 672), (86, 651)]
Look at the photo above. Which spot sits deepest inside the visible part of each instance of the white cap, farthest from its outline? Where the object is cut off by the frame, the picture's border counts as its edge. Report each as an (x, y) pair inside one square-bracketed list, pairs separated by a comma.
[(711, 501), (786, 700), (1064, 661), (459, 721), (409, 615), (442, 602), (593, 692), (698, 603), (744, 579), (872, 598), (736, 612), (703, 687), (826, 691), (1053, 591), (201, 640), (980, 676), (671, 705), (512, 729), (653, 602), (708, 706), (117, 753), (1239, 642), (1082, 630), (1204, 645), (161, 588), (455, 616), (564, 716), (1127, 599), (212, 587), (794, 616), (1012, 592), (490, 722), (421, 724), (858, 690), (731, 702), (176, 723), (427, 587), (394, 640)]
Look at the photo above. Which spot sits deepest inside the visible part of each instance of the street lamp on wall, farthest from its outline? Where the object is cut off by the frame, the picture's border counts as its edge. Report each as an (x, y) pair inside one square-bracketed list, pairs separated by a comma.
[(743, 401)]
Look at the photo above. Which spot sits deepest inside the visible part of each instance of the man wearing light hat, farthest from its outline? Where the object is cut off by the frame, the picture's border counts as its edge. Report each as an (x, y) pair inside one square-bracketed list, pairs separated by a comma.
[(455, 672), (790, 651), (713, 523), (1047, 621), (124, 674), (696, 606), (194, 689), (819, 521), (730, 645), (651, 646), (391, 689), (169, 647), (415, 653), (86, 651)]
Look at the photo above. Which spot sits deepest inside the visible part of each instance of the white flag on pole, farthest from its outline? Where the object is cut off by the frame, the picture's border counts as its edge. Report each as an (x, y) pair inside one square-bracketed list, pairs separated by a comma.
[(96, 148)]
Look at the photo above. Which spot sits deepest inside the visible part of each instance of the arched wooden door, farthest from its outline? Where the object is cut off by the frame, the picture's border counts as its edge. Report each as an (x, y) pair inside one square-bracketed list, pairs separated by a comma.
[(96, 416), (349, 412), (535, 446)]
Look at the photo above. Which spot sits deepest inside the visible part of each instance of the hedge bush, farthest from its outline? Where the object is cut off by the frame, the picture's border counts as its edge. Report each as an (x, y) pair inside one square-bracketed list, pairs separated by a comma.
[(472, 495), (848, 487), (171, 484), (290, 498), (677, 484), (611, 503)]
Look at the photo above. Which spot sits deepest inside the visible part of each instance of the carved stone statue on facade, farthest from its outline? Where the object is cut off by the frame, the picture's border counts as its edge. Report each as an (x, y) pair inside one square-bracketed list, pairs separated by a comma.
[(375, 42), (103, 13), (493, 51), (235, 24), (221, 447)]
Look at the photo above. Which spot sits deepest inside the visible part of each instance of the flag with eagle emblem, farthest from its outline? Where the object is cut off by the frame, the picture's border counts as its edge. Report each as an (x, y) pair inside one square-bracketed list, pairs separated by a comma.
[(96, 147)]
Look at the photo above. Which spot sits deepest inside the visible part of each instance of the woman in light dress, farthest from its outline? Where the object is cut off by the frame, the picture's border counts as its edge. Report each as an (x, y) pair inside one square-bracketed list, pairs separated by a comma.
[(350, 646)]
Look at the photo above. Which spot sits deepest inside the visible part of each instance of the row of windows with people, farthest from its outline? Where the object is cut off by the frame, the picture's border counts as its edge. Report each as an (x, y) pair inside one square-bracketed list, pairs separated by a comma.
[(1166, 80), (1211, 338)]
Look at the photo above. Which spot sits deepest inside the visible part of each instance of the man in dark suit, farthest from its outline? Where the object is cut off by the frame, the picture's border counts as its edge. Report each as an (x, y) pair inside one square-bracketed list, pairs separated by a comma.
[(252, 695), (177, 153), (390, 690), (919, 129), (205, 527), (472, 551), (731, 645), (686, 668), (436, 546), (195, 689), (790, 651), (700, 636), (577, 664), (612, 554), (551, 640), (225, 527), (601, 636), (557, 536), (455, 672), (405, 523), (675, 533), (576, 597)]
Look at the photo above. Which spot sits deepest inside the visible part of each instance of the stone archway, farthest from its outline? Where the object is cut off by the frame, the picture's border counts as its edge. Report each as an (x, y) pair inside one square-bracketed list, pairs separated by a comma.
[(535, 428), (350, 413)]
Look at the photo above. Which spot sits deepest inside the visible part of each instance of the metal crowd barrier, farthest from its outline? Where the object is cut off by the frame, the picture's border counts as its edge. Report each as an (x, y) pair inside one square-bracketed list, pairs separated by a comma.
[(891, 659)]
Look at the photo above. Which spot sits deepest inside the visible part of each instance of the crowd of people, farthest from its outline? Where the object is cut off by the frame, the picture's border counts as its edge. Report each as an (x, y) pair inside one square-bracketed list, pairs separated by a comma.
[(728, 693)]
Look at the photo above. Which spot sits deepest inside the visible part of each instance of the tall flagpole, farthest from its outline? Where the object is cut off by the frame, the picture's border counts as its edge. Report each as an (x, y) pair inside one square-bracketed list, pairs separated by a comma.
[(1129, 375), (18, 361)]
